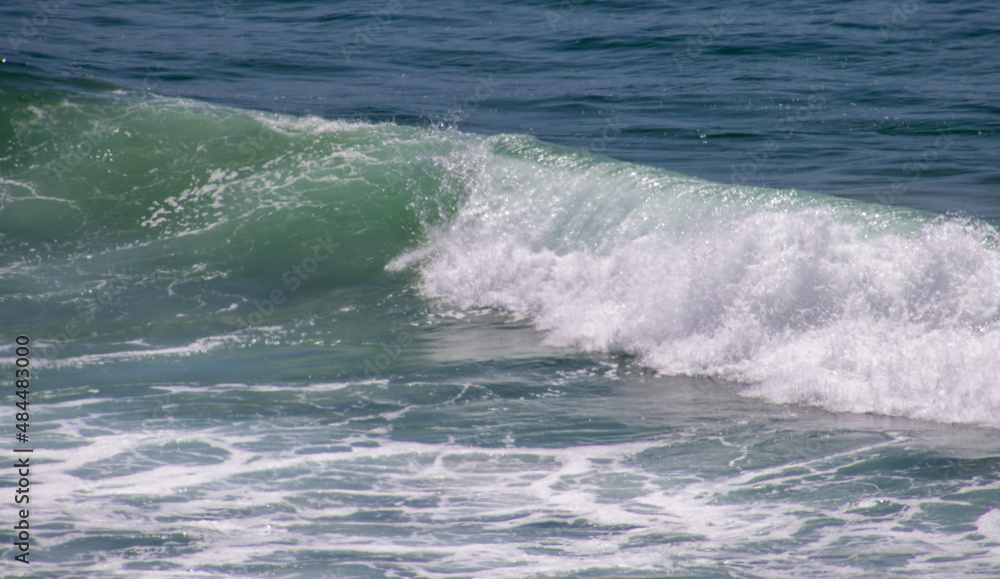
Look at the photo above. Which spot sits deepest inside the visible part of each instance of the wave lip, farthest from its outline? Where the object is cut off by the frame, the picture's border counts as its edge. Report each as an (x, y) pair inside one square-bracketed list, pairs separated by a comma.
[(802, 298)]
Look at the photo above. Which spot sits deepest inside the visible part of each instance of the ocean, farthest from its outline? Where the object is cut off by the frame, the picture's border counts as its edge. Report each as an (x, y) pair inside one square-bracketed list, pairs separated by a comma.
[(526, 289)]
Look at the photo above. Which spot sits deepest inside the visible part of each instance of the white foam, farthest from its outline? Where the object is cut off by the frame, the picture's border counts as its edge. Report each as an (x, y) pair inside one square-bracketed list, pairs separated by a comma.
[(199, 346), (492, 497), (805, 300), (308, 124)]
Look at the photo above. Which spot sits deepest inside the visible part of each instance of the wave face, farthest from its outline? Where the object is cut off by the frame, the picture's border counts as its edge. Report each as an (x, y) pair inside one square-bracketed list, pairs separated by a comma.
[(134, 217), (799, 298)]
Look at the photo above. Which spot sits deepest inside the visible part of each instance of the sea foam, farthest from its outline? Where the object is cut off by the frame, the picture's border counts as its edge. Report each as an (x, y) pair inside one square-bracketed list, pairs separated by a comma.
[(802, 298)]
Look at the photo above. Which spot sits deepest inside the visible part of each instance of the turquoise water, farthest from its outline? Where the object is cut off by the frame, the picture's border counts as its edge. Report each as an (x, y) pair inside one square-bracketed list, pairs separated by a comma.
[(536, 290)]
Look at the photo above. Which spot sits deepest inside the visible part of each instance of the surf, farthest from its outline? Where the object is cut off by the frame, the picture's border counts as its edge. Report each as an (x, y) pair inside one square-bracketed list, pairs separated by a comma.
[(795, 297)]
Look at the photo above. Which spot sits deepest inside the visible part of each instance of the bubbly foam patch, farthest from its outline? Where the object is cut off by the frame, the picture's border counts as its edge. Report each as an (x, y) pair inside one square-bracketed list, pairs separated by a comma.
[(806, 299), (233, 498)]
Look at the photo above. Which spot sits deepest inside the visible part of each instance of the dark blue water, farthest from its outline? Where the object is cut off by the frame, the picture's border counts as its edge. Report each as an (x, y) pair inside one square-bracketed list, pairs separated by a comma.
[(520, 289), (845, 98)]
